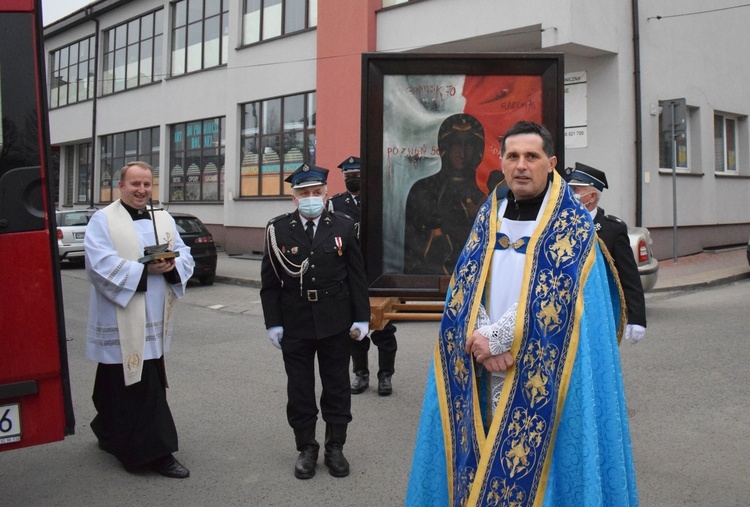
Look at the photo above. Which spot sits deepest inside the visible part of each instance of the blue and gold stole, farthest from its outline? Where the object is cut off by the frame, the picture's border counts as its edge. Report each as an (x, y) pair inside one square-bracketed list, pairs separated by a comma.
[(509, 463)]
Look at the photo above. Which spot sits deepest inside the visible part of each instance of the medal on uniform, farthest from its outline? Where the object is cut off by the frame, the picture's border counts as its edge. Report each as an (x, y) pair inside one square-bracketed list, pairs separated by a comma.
[(339, 244), (294, 250)]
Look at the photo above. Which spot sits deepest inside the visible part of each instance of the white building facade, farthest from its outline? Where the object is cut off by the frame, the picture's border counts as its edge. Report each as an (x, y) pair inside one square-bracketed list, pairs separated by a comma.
[(226, 97)]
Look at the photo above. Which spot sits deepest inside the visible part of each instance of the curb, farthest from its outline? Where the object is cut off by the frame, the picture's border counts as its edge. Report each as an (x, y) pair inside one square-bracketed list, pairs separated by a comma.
[(231, 280), (702, 284)]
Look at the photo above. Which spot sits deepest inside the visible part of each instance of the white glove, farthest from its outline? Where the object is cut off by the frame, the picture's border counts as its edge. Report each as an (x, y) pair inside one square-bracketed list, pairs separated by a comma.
[(359, 330), (634, 333), (275, 334)]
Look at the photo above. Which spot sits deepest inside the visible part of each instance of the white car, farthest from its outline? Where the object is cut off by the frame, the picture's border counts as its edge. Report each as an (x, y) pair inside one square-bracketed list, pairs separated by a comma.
[(71, 228), (648, 267)]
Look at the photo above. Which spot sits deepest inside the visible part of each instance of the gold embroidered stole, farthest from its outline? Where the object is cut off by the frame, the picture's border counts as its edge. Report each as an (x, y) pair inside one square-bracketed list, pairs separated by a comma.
[(511, 462)]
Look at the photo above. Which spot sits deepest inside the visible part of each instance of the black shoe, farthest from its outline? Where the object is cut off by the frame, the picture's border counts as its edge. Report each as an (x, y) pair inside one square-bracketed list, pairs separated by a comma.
[(337, 464), (305, 466), (384, 385), (361, 382), (168, 466)]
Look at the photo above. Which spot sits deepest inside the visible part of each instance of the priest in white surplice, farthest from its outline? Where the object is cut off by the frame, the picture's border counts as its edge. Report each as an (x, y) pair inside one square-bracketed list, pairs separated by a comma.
[(129, 325)]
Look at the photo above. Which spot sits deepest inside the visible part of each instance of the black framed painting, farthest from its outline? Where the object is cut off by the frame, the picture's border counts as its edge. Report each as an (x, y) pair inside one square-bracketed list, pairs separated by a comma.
[(432, 126)]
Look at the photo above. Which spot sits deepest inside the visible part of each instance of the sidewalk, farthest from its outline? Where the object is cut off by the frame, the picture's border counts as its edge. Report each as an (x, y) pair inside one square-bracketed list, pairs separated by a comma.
[(691, 272)]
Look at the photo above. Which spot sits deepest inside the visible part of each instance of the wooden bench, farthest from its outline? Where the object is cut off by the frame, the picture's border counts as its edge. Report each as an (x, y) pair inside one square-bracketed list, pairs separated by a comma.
[(386, 309)]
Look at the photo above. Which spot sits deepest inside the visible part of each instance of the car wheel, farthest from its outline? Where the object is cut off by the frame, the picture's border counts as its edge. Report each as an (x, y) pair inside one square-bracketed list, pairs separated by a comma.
[(207, 280)]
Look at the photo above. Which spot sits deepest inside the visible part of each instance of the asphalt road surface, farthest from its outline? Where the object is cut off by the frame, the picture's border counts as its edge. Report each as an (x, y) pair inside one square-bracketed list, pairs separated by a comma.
[(688, 388)]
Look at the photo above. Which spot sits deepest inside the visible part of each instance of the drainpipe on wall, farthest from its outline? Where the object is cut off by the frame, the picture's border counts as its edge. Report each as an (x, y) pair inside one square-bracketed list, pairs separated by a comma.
[(638, 119), (89, 12)]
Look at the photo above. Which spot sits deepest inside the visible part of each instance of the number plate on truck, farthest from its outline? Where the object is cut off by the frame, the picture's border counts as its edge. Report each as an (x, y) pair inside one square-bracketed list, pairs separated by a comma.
[(10, 423)]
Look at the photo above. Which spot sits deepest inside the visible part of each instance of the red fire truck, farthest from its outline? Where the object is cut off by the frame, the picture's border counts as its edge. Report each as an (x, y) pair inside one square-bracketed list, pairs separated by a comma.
[(35, 401)]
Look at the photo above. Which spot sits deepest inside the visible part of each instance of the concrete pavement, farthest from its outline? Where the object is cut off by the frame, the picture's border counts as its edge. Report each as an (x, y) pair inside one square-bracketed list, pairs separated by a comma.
[(705, 269)]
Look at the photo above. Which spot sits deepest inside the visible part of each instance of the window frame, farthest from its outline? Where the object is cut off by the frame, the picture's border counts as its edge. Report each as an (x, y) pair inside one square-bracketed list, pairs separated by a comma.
[(111, 47), (261, 33), (183, 152), (83, 172), (735, 119), (56, 66), (182, 30), (252, 181), (692, 152), (112, 161)]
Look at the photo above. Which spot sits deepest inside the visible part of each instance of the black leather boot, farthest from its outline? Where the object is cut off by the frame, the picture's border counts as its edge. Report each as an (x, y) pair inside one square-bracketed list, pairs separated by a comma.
[(386, 368), (308, 456), (334, 459), (361, 382), (384, 384), (359, 367)]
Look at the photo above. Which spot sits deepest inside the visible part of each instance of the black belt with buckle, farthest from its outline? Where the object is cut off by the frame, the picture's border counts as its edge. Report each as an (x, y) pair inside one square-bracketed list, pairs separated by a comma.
[(314, 295)]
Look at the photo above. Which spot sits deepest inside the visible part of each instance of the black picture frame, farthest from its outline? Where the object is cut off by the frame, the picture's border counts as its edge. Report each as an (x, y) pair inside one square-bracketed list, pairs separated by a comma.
[(410, 97)]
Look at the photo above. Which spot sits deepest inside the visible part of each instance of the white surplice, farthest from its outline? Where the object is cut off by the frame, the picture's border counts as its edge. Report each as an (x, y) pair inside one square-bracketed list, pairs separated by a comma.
[(114, 281)]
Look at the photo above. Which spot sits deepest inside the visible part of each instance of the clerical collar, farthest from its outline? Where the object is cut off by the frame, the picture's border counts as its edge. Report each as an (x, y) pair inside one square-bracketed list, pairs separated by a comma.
[(137, 214), (525, 210)]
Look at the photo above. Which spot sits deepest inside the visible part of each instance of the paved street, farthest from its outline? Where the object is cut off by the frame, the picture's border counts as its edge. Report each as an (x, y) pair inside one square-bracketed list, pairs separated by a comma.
[(687, 389)]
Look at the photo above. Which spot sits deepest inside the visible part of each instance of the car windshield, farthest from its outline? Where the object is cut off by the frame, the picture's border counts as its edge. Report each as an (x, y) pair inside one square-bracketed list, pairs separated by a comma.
[(187, 225), (73, 219)]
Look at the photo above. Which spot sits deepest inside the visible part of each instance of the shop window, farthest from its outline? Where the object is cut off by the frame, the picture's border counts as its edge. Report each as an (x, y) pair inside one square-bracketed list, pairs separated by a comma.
[(119, 149), (196, 156)]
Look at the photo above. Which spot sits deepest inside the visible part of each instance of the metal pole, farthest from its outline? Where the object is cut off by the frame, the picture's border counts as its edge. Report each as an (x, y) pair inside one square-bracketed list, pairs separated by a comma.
[(674, 184), (92, 171)]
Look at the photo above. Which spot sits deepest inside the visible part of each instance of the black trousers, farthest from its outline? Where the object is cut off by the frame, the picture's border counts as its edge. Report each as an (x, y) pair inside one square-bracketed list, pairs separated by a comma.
[(333, 368), (133, 423), (385, 341)]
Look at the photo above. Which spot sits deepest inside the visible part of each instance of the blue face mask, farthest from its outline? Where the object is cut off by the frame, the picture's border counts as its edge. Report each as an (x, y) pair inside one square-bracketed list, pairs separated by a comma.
[(311, 207)]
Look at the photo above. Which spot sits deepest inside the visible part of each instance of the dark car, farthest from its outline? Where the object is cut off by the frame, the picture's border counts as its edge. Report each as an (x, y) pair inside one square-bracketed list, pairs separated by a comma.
[(202, 247)]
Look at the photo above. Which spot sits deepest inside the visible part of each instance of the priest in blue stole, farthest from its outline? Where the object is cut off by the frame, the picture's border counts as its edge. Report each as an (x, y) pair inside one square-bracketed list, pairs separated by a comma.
[(524, 402)]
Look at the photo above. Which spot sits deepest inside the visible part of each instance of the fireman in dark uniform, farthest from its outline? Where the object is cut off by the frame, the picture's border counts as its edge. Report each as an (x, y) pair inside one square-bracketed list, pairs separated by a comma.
[(314, 296), (385, 340), (588, 184)]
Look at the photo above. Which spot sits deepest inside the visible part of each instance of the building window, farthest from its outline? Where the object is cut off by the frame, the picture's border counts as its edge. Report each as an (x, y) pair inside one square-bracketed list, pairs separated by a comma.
[(120, 149), (277, 136), (72, 77), (667, 149), (200, 35), (84, 173), (133, 53), (196, 160), (725, 143), (266, 19)]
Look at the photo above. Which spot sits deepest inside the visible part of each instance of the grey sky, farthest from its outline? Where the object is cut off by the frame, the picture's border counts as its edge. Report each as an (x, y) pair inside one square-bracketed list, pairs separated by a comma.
[(52, 10)]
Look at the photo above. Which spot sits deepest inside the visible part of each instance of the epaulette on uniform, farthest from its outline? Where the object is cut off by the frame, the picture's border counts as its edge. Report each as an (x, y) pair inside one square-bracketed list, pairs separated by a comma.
[(340, 214), (276, 219), (337, 196), (613, 219)]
